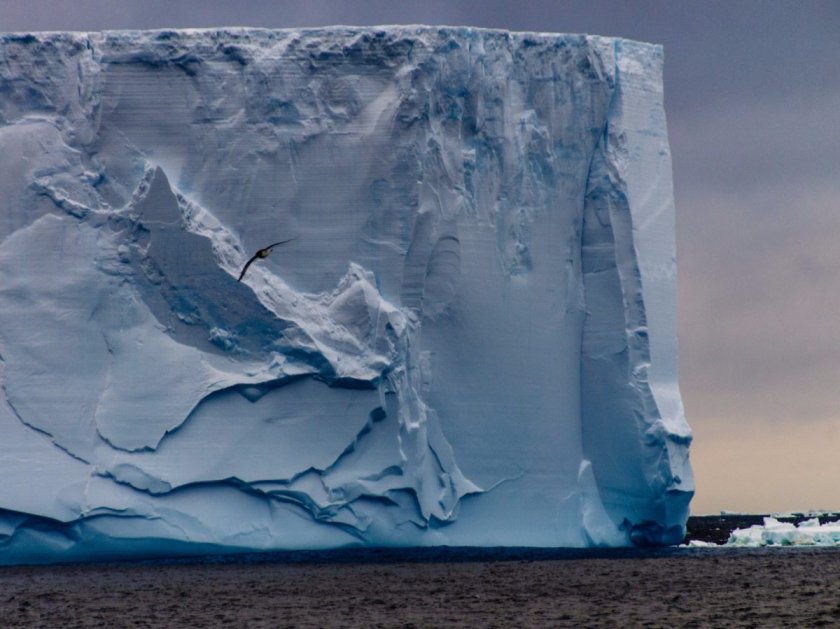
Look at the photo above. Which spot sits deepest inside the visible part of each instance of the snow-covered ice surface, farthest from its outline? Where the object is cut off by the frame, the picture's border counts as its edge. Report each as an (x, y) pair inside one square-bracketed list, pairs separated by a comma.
[(471, 341)]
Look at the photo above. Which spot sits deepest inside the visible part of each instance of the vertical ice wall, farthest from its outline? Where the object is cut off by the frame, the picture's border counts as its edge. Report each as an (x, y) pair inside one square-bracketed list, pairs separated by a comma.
[(471, 341), (628, 361)]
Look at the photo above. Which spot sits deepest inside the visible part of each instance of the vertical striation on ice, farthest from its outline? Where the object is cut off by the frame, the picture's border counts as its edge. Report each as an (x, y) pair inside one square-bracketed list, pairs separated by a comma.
[(471, 340)]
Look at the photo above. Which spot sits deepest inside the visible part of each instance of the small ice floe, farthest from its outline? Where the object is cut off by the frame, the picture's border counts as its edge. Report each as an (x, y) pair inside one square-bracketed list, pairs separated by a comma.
[(697, 543), (775, 533)]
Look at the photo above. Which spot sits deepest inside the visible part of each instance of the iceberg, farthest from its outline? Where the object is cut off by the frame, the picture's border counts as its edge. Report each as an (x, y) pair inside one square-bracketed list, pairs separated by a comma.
[(469, 339)]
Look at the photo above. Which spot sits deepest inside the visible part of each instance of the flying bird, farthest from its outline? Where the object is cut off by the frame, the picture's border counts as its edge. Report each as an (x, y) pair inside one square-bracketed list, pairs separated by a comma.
[(262, 253)]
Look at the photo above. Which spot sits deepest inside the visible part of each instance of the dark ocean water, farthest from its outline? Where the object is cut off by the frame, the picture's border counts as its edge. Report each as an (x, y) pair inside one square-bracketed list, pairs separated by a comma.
[(719, 586)]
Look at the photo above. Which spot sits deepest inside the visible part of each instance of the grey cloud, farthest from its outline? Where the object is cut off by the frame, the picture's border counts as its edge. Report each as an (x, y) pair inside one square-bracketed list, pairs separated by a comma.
[(759, 303), (743, 145)]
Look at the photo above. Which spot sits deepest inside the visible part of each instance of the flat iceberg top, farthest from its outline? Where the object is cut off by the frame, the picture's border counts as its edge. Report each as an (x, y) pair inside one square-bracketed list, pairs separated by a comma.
[(469, 339), (399, 30)]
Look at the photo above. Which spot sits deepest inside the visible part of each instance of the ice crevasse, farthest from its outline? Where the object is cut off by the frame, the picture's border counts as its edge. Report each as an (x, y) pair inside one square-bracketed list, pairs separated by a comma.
[(471, 339)]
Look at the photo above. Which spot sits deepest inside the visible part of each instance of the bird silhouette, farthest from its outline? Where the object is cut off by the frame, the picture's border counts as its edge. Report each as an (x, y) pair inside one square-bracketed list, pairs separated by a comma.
[(262, 253)]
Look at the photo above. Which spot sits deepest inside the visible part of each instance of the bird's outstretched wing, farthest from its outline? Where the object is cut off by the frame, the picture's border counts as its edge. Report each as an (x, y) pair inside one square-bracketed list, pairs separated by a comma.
[(282, 242), (263, 253), (247, 264)]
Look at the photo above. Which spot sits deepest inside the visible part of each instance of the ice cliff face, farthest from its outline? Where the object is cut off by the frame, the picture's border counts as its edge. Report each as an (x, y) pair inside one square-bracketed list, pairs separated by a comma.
[(471, 341)]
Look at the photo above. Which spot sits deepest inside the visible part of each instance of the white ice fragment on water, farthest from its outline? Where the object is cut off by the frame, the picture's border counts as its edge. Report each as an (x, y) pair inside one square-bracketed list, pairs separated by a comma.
[(696, 543), (776, 533)]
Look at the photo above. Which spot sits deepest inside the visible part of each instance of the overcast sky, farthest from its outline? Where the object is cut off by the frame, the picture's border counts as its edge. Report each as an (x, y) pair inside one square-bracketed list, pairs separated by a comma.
[(753, 102)]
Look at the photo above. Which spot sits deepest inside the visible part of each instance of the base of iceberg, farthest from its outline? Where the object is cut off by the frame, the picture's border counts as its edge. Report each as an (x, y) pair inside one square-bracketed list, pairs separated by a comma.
[(470, 340)]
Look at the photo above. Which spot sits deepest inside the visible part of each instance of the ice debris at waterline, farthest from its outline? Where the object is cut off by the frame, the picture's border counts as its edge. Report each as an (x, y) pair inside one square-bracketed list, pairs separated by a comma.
[(471, 339), (775, 533)]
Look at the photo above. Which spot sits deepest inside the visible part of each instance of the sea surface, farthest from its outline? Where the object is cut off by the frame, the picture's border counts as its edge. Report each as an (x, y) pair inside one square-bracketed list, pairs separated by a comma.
[(438, 587)]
